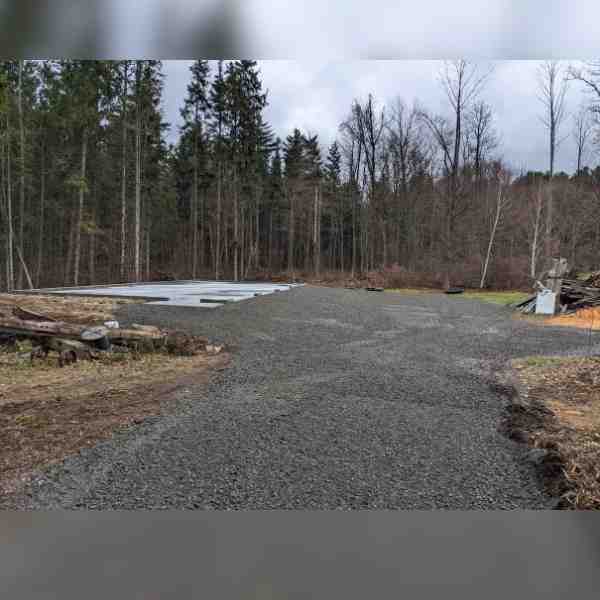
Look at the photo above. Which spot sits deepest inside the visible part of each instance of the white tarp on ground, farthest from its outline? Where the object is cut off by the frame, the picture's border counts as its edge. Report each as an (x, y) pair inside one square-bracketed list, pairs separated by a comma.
[(198, 294)]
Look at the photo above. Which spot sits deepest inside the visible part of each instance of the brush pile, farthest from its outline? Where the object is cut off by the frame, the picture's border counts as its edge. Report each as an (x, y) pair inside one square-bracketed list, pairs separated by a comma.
[(574, 295)]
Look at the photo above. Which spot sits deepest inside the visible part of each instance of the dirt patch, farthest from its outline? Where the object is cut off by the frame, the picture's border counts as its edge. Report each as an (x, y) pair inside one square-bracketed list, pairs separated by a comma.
[(557, 413), (85, 310), (47, 413)]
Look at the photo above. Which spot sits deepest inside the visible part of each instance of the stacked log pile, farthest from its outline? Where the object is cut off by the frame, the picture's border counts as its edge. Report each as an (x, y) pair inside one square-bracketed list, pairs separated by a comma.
[(75, 342)]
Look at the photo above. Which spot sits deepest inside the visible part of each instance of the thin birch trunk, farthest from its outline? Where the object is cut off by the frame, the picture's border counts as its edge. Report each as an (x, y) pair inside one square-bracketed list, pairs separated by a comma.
[(536, 229), (24, 267), (492, 237)]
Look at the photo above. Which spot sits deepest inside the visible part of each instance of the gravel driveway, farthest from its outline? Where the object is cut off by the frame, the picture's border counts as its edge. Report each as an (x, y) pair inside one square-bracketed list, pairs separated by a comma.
[(335, 399)]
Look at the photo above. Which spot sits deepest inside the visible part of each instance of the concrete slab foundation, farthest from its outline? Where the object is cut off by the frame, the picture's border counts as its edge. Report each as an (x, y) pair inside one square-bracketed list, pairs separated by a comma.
[(197, 294)]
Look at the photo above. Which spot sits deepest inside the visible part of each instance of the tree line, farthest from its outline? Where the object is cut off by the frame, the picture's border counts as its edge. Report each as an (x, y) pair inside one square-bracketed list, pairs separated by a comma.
[(92, 192)]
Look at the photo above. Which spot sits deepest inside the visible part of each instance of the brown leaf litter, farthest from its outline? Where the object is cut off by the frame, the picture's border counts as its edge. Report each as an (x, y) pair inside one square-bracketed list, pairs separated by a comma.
[(558, 414)]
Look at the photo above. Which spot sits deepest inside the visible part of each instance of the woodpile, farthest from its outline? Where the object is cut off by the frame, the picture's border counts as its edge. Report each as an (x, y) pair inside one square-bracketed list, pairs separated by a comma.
[(73, 342), (574, 295)]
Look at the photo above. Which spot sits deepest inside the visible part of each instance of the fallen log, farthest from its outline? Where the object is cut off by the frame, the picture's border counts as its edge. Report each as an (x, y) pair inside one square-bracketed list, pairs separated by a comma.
[(138, 338), (40, 328), (29, 315), (84, 333)]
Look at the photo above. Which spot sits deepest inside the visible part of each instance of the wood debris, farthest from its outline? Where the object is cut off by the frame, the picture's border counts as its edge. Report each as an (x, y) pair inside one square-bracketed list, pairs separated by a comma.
[(77, 341), (574, 295)]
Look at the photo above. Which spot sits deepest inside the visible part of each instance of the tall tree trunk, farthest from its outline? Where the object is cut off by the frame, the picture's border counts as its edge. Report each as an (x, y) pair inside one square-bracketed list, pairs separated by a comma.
[(70, 245), (202, 234), (10, 265), (550, 219), (138, 171), (21, 241), (242, 245), (148, 253), (291, 241), (316, 253), (84, 145), (341, 233), (236, 231), (92, 250), (536, 231), (271, 246), (218, 232), (42, 216), (194, 213), (353, 199), (122, 262), (256, 254), (384, 242), (491, 242)]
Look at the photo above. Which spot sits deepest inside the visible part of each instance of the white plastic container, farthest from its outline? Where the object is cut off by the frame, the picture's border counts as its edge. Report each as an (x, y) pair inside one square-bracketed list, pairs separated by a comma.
[(545, 303)]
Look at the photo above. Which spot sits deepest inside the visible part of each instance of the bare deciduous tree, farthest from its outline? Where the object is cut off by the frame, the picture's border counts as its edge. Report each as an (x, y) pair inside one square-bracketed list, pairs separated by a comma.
[(462, 81), (589, 76), (582, 131), (481, 136), (552, 92)]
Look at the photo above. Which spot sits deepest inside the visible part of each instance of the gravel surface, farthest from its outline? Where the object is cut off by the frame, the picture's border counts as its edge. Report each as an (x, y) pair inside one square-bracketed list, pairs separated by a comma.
[(335, 399)]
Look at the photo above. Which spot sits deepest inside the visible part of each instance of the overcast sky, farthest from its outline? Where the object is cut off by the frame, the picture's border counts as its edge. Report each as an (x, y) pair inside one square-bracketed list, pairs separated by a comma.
[(316, 96)]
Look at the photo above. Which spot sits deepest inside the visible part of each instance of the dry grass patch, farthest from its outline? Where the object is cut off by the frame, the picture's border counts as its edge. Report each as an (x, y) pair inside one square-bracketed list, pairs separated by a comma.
[(47, 413), (86, 310), (559, 415), (413, 291), (504, 298)]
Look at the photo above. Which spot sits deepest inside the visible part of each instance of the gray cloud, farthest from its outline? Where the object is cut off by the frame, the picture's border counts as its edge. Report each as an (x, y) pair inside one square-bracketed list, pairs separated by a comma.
[(336, 29)]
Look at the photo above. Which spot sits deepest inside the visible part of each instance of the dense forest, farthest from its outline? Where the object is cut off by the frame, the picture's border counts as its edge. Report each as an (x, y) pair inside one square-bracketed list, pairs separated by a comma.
[(91, 192)]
